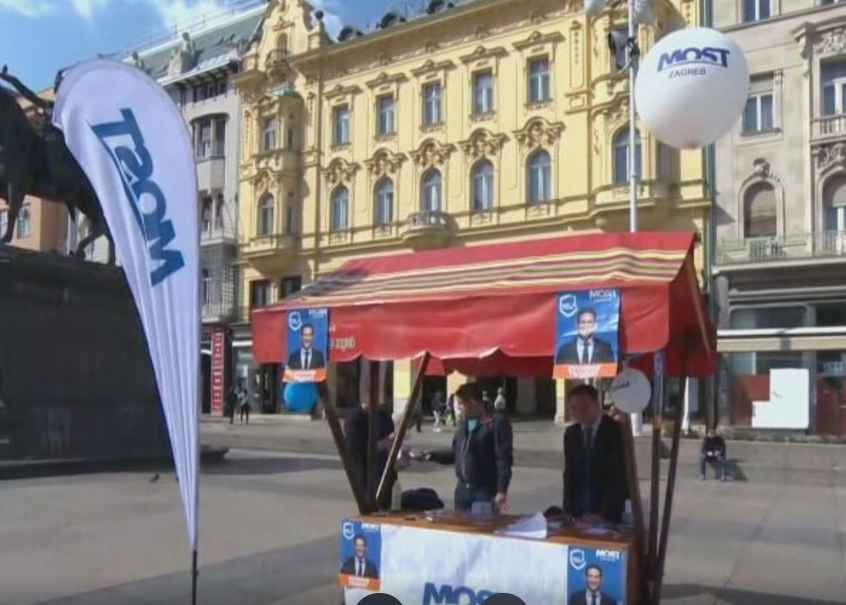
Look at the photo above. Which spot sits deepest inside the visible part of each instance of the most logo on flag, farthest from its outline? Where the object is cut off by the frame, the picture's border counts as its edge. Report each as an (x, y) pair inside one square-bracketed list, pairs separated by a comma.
[(586, 334)]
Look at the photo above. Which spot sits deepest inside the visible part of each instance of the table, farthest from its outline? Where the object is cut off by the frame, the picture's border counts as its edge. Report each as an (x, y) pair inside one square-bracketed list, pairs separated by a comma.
[(450, 558)]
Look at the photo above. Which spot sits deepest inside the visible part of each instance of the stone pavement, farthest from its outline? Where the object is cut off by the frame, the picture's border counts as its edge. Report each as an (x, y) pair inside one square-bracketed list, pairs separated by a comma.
[(539, 444), (269, 536)]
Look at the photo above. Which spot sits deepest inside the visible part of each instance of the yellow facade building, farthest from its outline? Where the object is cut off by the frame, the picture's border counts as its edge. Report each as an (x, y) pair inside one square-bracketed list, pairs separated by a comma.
[(488, 121)]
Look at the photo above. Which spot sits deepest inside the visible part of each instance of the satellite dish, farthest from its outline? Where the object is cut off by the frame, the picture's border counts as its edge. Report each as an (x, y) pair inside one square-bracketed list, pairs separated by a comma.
[(692, 87), (631, 391)]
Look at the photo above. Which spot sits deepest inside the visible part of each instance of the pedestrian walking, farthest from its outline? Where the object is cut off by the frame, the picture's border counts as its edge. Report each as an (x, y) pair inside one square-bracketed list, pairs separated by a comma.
[(245, 407), (438, 409), (500, 404), (230, 403), (449, 416), (713, 451), (418, 418)]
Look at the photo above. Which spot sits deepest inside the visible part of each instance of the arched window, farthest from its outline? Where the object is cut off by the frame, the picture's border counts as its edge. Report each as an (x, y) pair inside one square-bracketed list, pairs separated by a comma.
[(759, 211), (834, 204), (483, 185), (621, 156), (340, 209), (431, 199), (264, 226), (540, 177), (384, 211)]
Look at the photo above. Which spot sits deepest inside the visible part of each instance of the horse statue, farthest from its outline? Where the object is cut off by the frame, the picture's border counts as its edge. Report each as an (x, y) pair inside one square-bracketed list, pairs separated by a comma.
[(36, 161)]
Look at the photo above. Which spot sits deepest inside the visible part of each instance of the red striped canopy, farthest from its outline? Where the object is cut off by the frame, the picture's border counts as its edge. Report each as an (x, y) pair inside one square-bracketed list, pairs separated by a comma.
[(491, 309)]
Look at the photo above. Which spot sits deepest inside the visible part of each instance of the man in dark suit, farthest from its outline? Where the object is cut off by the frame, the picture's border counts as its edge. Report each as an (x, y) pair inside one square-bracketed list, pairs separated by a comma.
[(306, 357), (359, 565), (592, 594), (585, 348), (595, 486)]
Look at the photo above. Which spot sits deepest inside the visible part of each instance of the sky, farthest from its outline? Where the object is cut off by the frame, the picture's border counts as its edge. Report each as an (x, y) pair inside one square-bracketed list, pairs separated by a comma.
[(39, 37)]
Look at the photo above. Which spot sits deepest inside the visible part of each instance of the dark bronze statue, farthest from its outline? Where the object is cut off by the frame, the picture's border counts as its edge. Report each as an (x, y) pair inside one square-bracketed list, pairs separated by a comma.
[(34, 160)]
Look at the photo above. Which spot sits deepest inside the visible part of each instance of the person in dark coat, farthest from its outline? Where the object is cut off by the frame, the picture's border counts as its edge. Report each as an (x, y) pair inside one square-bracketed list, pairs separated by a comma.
[(585, 348), (356, 432), (713, 451), (482, 452), (595, 485)]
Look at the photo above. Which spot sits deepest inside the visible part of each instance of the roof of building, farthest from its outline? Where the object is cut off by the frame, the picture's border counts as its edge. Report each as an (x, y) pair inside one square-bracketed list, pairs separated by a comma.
[(213, 47)]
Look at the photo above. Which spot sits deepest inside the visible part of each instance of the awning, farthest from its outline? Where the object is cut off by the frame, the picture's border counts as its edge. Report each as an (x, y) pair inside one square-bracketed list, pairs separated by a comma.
[(490, 309)]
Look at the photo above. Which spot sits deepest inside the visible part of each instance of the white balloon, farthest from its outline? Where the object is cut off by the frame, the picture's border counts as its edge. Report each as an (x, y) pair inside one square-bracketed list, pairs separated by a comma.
[(692, 87), (631, 391), (594, 7)]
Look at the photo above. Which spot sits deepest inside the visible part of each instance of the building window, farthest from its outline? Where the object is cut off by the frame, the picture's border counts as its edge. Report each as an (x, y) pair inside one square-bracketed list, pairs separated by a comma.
[(269, 135), (341, 120), (432, 104), (4, 222), (265, 215), (290, 139), (621, 156), (432, 187), (386, 115), (539, 90), (340, 209), (24, 223), (834, 202), (540, 177), (259, 293), (384, 211), (483, 93), (759, 211), (758, 115), (209, 137), (206, 287), (292, 216), (620, 54), (833, 81), (290, 285), (206, 216), (483, 185), (756, 10)]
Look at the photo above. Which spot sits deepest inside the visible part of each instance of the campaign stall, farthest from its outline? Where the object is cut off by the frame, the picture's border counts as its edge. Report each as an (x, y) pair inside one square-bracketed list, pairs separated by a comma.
[(512, 308)]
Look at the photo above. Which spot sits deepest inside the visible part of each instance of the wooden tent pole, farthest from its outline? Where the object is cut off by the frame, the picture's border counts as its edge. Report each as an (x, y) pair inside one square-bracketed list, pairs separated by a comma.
[(408, 414), (655, 496), (372, 436), (668, 498), (637, 502), (341, 445)]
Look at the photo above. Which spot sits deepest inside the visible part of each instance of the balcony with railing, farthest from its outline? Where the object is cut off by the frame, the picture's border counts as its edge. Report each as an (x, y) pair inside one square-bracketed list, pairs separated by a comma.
[(212, 233), (428, 229), (269, 253), (797, 246), (826, 128)]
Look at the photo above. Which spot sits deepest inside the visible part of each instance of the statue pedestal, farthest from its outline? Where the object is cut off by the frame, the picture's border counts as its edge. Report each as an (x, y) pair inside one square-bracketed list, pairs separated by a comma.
[(76, 380)]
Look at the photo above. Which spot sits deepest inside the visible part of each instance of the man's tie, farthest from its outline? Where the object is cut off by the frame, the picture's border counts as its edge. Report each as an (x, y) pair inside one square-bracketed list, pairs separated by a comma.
[(308, 360), (588, 474), (360, 565), (593, 599)]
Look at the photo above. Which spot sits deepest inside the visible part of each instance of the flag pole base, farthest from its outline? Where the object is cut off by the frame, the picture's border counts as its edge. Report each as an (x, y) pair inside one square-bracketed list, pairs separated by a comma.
[(195, 573)]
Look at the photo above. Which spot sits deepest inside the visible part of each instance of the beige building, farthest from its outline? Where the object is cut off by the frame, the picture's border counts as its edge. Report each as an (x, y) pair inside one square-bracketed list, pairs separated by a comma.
[(489, 121), (780, 220)]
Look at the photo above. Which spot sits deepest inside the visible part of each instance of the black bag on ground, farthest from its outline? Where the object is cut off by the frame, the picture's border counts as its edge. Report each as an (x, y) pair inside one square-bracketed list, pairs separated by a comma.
[(421, 500)]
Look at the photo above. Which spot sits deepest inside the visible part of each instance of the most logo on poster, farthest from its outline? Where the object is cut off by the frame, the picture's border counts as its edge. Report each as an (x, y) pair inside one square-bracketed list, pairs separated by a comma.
[(307, 345), (586, 344)]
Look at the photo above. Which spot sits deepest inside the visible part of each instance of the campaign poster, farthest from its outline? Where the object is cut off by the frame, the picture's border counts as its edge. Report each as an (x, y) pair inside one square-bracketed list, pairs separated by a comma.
[(596, 576), (361, 556), (308, 338), (586, 345)]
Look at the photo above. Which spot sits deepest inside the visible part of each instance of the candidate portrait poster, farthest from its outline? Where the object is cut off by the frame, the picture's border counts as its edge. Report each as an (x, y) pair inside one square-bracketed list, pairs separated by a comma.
[(596, 576), (361, 556), (586, 344), (307, 342)]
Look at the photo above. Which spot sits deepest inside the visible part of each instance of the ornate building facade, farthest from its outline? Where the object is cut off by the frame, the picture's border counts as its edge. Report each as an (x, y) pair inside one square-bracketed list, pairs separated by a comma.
[(486, 121), (780, 220)]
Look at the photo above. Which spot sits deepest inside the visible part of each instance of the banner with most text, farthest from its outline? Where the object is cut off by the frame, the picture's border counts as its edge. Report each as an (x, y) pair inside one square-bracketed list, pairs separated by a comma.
[(133, 144), (437, 567)]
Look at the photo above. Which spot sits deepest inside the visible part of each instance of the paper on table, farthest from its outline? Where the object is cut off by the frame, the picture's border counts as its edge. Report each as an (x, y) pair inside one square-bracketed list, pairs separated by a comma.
[(533, 528)]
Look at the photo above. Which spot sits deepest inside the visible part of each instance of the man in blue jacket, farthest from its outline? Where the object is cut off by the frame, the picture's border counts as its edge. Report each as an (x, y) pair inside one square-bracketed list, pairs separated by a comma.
[(482, 452)]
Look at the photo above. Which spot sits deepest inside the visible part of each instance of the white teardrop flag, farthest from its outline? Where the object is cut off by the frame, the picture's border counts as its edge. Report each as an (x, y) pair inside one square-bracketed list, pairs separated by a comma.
[(133, 145)]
